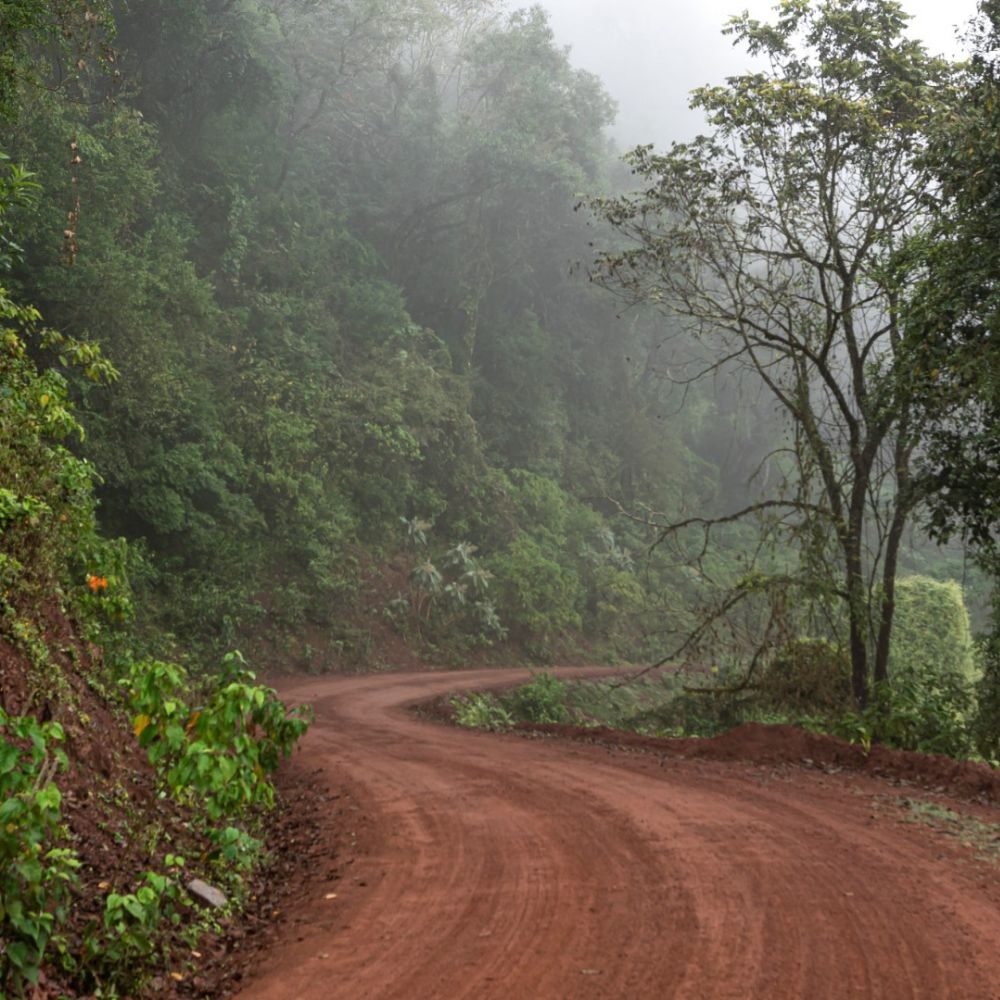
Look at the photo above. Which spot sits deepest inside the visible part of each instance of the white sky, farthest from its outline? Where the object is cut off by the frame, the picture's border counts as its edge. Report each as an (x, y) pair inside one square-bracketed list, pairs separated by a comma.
[(651, 53)]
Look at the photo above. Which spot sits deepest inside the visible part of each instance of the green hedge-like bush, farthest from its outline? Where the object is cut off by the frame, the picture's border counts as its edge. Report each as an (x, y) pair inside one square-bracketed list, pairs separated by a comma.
[(536, 596), (931, 633), (986, 724)]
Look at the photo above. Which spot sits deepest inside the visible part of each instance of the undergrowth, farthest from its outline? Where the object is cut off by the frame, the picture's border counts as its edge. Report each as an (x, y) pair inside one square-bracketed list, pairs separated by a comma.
[(930, 714), (213, 753)]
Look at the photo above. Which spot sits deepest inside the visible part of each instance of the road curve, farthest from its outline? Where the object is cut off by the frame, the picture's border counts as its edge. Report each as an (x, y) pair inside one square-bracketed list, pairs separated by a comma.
[(498, 866)]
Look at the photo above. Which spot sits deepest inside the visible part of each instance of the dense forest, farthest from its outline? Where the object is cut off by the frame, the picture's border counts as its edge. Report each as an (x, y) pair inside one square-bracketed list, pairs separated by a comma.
[(328, 250), (363, 386), (339, 333)]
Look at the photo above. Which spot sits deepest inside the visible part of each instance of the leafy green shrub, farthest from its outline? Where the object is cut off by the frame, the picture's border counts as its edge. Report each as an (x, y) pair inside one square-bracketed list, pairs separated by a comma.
[(986, 721), (608, 703), (695, 713), (236, 848), (481, 711), (540, 700), (927, 703), (35, 874), (928, 714), (131, 932), (807, 676), (615, 600), (448, 598), (220, 754), (931, 633), (656, 704)]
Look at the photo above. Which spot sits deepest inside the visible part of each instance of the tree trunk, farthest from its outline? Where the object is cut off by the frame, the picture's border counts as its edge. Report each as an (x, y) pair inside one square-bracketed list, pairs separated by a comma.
[(887, 608), (859, 659)]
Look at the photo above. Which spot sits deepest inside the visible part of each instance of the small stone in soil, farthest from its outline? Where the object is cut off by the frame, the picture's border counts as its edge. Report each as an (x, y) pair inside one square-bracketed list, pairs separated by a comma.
[(206, 893)]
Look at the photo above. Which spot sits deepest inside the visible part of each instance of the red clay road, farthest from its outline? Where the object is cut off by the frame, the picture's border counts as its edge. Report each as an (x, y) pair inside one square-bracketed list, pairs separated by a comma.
[(500, 866)]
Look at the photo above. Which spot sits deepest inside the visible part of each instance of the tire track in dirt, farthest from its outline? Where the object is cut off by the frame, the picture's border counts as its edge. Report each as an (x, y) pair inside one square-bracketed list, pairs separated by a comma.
[(530, 868)]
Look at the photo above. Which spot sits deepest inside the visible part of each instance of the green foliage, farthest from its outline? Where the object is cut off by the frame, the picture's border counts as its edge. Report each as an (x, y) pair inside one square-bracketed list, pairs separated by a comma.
[(317, 341), (131, 932), (46, 492), (449, 602), (541, 700), (616, 600), (217, 755), (698, 713), (537, 596), (928, 700), (950, 316), (45, 39), (806, 677), (931, 630), (621, 706), (481, 711), (774, 250), (929, 714), (657, 704), (36, 874), (986, 721), (951, 307)]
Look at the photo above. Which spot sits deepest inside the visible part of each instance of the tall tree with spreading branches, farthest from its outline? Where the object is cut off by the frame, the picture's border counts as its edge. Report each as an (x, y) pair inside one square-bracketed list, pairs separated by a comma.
[(770, 239)]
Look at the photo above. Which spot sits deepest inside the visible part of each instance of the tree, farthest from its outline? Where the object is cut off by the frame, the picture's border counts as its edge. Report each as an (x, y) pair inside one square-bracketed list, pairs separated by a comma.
[(951, 322), (953, 309), (50, 43), (770, 240)]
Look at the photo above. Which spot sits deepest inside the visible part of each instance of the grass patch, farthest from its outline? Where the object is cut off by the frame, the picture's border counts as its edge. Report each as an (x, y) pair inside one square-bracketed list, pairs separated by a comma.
[(980, 836)]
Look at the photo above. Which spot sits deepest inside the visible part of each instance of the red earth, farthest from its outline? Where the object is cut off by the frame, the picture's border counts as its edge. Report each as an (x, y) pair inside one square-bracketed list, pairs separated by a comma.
[(460, 864)]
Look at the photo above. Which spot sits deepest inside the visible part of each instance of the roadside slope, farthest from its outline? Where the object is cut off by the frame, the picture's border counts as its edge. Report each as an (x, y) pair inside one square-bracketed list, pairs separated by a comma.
[(509, 867)]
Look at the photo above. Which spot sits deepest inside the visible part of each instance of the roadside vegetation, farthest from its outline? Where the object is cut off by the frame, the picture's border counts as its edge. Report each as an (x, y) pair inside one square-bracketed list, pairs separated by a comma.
[(928, 704), (80, 706)]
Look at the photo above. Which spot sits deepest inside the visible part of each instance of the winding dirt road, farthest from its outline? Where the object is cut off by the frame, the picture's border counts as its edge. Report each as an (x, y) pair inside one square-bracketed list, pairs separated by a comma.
[(497, 866)]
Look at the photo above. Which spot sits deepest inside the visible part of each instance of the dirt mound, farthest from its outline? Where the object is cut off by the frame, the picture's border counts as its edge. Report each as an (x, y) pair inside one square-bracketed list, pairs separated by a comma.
[(784, 744)]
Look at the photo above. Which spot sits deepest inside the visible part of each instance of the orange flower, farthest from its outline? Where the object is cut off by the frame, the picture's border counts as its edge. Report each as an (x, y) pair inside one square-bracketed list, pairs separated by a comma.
[(97, 583)]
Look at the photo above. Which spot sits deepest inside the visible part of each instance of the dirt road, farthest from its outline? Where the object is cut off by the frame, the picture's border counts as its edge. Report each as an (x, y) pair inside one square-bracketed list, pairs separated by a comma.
[(499, 866)]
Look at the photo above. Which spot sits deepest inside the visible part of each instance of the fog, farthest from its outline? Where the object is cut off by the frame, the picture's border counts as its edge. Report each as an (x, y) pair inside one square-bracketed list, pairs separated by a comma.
[(651, 54)]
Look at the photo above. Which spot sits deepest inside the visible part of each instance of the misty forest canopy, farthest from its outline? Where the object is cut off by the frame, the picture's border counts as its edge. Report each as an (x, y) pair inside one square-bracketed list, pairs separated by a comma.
[(327, 249), (360, 395)]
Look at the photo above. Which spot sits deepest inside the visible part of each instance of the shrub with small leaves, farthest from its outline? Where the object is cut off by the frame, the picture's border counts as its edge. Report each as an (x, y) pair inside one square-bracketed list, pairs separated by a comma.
[(131, 931), (986, 722), (806, 676), (931, 633)]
